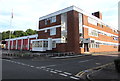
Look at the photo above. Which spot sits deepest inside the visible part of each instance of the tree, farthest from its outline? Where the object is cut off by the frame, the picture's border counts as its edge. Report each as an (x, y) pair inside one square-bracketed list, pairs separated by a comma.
[(29, 31), (18, 33)]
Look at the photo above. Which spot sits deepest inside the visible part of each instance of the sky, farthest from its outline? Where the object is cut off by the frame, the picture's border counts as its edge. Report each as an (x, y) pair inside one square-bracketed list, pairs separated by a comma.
[(26, 13)]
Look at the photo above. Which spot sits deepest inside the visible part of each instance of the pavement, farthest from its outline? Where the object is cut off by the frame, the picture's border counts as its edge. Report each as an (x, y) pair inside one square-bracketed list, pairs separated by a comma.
[(102, 73), (107, 72)]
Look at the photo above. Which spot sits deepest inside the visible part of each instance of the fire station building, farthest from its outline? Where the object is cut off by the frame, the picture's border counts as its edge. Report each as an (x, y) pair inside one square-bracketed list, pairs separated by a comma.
[(73, 30)]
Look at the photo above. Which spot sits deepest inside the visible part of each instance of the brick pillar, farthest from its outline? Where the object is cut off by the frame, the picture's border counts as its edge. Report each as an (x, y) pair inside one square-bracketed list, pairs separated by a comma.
[(73, 32)]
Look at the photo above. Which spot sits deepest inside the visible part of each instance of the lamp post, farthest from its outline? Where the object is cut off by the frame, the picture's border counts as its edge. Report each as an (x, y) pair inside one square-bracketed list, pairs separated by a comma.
[(10, 31)]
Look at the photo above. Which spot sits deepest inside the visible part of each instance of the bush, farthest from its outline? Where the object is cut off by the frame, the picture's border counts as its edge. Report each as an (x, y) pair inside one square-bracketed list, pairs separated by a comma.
[(117, 64)]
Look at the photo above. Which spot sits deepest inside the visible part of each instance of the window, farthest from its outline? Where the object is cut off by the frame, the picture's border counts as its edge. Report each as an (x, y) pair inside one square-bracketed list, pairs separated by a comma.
[(50, 20), (53, 44), (45, 43), (40, 43), (53, 31), (93, 33), (45, 21), (92, 21), (115, 38), (53, 19)]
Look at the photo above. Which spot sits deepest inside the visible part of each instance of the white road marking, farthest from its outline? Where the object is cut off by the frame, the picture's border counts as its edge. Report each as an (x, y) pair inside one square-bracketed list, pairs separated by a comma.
[(85, 61), (58, 70), (18, 63), (27, 65), (42, 67), (49, 65), (67, 73), (15, 62), (11, 61), (31, 66), (22, 64), (63, 74), (46, 70), (53, 71), (74, 78)]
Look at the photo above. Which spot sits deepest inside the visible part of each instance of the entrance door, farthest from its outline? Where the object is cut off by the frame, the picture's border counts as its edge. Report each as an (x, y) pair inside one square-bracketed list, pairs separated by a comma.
[(86, 49)]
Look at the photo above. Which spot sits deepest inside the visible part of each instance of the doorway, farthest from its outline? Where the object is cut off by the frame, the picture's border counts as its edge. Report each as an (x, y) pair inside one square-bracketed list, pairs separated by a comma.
[(86, 49)]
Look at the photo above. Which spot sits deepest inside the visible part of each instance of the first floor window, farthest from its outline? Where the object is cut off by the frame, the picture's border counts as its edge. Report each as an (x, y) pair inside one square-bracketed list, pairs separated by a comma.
[(53, 31)]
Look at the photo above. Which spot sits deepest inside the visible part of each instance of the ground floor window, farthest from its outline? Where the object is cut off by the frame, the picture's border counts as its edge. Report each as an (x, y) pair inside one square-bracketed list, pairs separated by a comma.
[(45, 43), (53, 44), (94, 45)]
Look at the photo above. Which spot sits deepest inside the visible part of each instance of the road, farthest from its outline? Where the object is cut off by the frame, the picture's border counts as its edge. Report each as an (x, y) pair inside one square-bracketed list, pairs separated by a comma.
[(50, 68)]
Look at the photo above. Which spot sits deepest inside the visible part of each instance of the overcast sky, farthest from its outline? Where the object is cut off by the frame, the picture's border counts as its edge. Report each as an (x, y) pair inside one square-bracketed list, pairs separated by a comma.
[(26, 13)]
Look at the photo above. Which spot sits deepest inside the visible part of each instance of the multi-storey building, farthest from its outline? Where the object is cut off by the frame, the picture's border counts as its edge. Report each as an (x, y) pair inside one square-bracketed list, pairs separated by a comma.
[(73, 30)]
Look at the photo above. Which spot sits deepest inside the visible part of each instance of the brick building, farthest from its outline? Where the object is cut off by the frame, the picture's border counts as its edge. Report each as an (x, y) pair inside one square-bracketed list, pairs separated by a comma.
[(73, 30)]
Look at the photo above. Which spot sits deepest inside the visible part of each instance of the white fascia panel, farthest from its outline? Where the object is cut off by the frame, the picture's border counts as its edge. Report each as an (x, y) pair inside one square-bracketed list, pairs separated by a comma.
[(99, 30), (58, 40), (69, 9), (25, 37), (57, 13), (49, 28), (103, 41)]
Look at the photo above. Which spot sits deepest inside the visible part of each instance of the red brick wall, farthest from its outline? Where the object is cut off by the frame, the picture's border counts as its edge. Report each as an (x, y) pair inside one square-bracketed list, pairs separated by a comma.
[(102, 48), (73, 31), (46, 35), (42, 22)]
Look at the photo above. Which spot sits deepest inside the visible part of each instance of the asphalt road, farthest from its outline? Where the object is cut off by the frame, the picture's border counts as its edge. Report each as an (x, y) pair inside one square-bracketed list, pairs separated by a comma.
[(50, 68)]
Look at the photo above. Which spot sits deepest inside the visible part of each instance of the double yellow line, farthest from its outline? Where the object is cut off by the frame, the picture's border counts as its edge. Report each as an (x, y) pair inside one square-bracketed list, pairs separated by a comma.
[(91, 69)]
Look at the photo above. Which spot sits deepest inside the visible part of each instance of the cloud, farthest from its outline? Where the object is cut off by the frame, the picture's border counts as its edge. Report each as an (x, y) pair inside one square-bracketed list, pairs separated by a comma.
[(27, 12)]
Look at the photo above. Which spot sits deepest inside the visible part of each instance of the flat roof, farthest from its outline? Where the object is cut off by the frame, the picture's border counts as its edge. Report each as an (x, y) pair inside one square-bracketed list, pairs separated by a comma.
[(76, 9), (24, 37)]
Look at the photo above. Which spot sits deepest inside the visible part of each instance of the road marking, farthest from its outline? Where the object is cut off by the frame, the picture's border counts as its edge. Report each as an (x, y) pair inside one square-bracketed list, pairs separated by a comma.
[(50, 66), (85, 61), (97, 63), (63, 74), (28, 65), (67, 73), (42, 67), (74, 78), (31, 66), (15, 62), (18, 63), (22, 64), (58, 70), (46, 70), (94, 68), (53, 71)]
